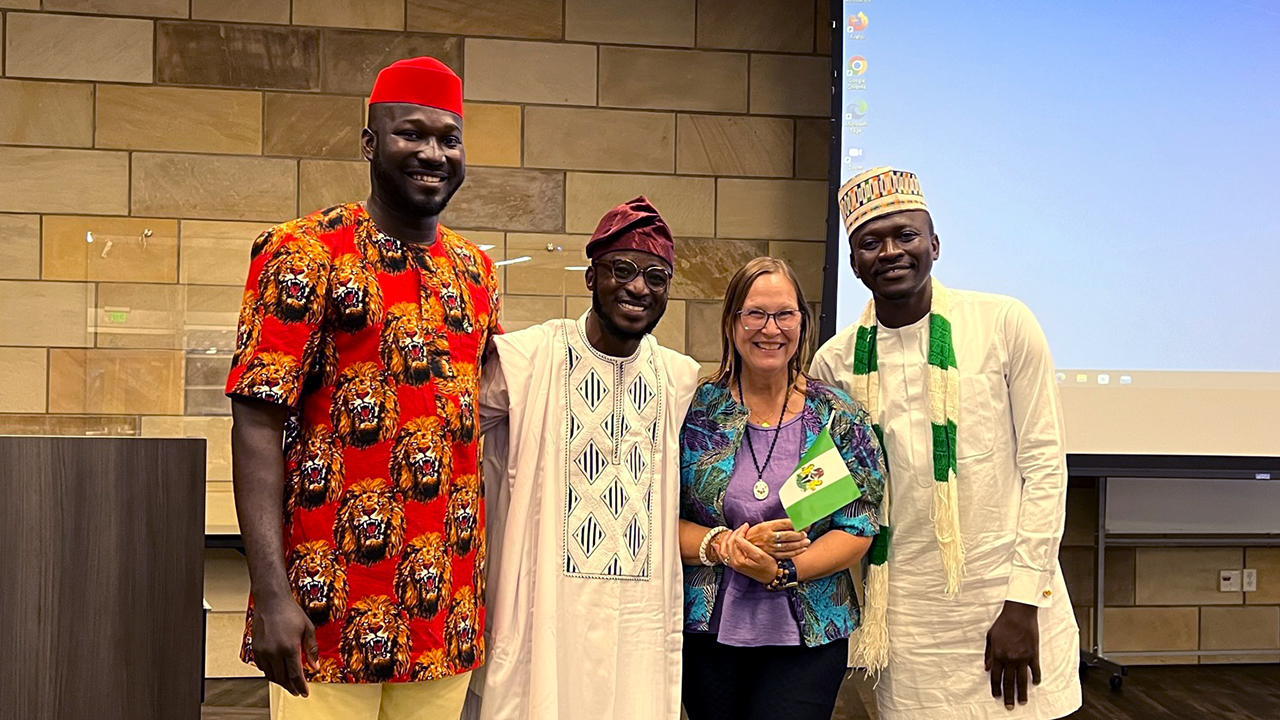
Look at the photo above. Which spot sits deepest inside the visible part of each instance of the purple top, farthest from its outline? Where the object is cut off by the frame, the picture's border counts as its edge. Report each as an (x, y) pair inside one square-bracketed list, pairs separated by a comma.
[(746, 614)]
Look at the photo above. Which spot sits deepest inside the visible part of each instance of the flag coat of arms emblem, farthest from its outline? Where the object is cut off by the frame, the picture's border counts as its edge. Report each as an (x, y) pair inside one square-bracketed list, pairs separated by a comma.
[(820, 485)]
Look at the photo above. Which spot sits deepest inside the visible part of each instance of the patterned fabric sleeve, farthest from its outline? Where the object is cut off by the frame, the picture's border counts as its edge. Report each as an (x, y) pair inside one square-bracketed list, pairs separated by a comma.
[(495, 299), (858, 445), (281, 316), (703, 472), (687, 455)]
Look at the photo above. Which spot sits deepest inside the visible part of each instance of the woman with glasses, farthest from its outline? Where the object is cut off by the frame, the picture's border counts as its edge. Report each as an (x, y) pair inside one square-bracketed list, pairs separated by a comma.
[(768, 607)]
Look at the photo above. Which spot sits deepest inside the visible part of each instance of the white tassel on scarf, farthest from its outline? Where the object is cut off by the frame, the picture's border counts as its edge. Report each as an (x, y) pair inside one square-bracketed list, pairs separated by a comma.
[(872, 650)]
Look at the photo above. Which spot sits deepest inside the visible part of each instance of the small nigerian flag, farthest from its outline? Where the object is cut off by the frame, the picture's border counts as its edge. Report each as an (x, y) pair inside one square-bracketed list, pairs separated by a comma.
[(820, 485)]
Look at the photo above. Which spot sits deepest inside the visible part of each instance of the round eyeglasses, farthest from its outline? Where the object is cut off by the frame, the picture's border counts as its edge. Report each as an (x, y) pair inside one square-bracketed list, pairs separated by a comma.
[(756, 319), (624, 271)]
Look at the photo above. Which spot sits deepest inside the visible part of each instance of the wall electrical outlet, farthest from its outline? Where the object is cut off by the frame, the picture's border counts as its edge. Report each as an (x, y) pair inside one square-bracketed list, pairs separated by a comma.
[(1229, 581), (1250, 580)]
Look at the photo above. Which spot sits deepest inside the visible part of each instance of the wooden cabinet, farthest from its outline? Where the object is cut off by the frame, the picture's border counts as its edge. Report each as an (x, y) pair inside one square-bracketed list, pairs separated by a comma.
[(101, 573)]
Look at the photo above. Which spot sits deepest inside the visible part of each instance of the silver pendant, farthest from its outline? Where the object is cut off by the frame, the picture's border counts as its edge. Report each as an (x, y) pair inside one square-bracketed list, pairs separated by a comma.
[(761, 490)]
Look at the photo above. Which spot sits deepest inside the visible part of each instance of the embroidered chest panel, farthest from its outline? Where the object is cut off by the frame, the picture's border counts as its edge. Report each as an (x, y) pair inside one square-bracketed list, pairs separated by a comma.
[(612, 420)]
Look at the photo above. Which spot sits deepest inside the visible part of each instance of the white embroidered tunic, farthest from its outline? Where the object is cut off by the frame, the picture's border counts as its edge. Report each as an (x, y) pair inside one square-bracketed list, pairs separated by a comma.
[(582, 480), (1012, 483)]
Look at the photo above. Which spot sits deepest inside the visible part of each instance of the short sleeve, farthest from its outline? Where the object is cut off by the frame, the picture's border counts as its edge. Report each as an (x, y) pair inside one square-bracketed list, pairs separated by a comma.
[(495, 300), (281, 317)]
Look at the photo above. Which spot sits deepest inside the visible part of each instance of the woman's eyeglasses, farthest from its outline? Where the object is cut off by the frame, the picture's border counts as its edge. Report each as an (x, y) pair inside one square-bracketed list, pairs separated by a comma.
[(624, 271), (757, 319)]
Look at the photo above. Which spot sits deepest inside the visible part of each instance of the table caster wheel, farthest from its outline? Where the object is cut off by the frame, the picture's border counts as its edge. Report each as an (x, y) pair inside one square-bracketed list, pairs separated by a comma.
[(1115, 682)]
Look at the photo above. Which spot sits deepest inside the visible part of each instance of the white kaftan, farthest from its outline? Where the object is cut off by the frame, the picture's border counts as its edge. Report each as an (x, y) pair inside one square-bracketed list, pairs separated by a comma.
[(585, 582), (1012, 483)]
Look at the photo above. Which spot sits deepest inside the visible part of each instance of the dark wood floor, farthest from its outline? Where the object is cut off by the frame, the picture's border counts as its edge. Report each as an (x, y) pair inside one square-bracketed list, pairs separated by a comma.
[(1211, 692), (1192, 692)]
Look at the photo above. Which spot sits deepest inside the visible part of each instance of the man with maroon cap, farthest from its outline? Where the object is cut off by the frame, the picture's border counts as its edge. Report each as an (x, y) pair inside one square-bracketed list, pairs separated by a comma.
[(582, 471), (355, 444)]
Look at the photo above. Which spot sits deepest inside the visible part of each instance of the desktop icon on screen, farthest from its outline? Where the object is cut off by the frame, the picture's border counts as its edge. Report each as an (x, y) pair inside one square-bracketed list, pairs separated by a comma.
[(858, 23), (857, 65), (1104, 379), (1126, 379), (855, 110)]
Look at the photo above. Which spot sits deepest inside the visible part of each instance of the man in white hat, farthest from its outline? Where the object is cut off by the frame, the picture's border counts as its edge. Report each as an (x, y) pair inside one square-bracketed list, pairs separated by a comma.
[(966, 606)]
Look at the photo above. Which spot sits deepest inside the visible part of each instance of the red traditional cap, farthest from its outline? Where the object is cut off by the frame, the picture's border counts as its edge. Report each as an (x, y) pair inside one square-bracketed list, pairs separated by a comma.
[(420, 81), (633, 225)]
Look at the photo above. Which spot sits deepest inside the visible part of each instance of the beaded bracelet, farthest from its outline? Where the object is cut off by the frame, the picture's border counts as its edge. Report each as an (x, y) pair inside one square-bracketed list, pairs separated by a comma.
[(786, 577)]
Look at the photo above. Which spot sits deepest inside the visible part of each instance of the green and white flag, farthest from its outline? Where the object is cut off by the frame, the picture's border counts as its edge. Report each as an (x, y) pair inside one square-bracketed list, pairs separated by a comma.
[(820, 485)]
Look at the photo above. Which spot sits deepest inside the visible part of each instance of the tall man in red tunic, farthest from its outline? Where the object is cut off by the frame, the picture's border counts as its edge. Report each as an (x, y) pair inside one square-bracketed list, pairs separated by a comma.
[(353, 389)]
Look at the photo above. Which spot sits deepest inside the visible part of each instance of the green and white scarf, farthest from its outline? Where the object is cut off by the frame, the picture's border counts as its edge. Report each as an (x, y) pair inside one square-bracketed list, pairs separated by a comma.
[(872, 651)]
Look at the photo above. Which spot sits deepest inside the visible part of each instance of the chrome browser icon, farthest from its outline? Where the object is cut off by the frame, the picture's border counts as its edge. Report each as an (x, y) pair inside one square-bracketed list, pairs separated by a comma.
[(857, 65)]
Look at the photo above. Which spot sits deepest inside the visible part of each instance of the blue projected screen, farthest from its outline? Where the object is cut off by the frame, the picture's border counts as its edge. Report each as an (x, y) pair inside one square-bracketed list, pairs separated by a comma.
[(1116, 166)]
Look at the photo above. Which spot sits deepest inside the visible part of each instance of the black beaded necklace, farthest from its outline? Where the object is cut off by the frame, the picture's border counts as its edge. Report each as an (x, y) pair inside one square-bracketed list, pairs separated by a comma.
[(761, 489)]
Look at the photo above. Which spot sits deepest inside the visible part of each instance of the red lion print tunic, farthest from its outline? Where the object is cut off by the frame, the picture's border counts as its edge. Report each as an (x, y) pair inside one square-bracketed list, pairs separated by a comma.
[(375, 345)]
